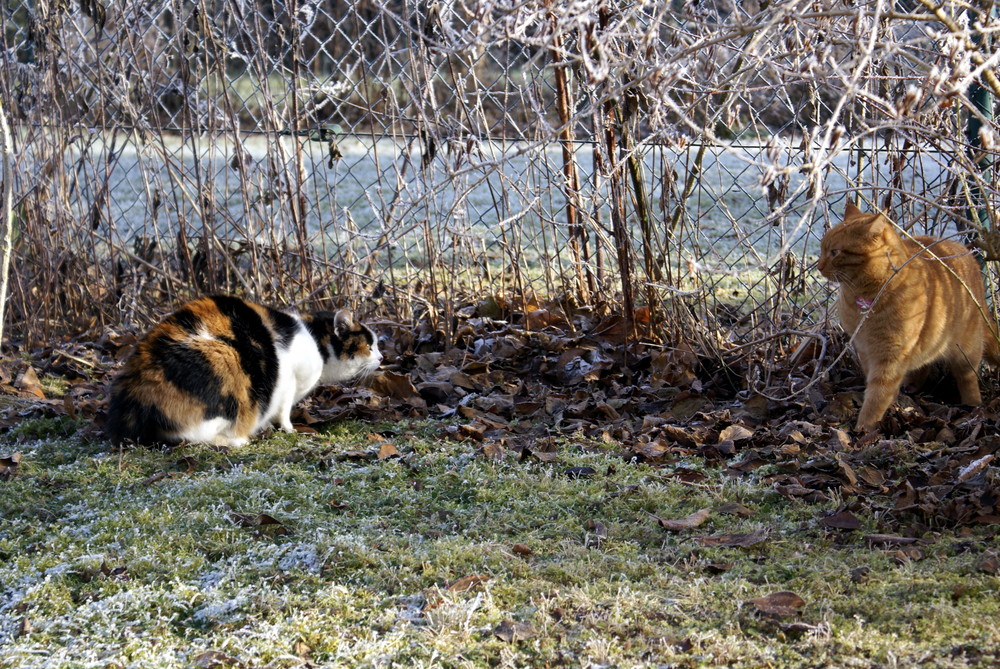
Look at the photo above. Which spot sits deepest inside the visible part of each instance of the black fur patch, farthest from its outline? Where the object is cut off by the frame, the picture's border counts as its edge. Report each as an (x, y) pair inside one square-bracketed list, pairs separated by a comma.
[(285, 326), (254, 344), (185, 319), (320, 326), (190, 371), (130, 419)]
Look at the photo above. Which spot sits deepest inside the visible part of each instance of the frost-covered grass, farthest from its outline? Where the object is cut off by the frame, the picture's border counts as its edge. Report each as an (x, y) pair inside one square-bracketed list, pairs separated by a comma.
[(133, 559)]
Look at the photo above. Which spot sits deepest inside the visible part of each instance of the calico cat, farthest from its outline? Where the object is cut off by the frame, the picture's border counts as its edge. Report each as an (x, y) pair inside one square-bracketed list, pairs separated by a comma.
[(918, 301), (220, 369)]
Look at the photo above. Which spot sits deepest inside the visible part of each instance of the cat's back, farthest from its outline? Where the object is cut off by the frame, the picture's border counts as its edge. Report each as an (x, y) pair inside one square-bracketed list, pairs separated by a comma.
[(951, 266)]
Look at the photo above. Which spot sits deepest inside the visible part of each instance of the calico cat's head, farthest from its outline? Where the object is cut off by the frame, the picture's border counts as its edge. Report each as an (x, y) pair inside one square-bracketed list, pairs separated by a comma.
[(849, 248), (349, 348)]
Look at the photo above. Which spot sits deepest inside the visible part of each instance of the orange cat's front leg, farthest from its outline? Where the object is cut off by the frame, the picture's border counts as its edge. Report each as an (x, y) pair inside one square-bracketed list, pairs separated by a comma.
[(881, 389)]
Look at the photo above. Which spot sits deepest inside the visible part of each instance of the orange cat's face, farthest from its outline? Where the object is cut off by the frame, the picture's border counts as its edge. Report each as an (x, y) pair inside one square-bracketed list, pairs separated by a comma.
[(849, 246)]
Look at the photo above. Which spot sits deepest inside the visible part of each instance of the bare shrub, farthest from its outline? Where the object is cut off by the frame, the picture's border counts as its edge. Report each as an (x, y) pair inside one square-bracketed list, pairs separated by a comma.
[(675, 162)]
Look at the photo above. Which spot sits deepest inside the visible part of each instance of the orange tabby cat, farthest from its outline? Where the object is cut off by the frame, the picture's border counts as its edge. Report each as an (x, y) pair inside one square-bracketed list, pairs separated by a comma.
[(918, 300)]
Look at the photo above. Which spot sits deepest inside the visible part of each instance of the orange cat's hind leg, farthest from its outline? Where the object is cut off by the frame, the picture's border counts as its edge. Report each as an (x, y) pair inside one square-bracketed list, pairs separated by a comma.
[(968, 382), (915, 379), (881, 390)]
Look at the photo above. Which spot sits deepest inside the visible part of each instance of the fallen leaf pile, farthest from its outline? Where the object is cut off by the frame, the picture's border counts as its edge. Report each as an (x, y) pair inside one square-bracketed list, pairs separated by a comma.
[(510, 380)]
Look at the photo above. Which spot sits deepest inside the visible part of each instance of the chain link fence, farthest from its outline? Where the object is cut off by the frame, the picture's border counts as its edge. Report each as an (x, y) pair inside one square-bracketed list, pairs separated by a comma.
[(674, 162)]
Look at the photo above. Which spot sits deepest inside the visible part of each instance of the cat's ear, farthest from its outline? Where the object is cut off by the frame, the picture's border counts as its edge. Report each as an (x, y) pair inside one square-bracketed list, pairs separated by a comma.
[(343, 322), (851, 210), (878, 226)]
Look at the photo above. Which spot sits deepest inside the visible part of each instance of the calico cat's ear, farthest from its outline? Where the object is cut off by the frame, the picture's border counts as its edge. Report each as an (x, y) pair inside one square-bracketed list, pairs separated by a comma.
[(851, 210), (343, 322)]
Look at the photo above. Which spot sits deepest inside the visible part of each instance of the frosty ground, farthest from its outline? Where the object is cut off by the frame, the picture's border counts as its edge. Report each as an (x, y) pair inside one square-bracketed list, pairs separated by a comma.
[(402, 544)]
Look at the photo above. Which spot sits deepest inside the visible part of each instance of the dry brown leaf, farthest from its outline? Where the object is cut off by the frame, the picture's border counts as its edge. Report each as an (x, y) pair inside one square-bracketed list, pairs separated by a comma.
[(467, 583), (436, 392), (989, 565), (687, 475), (735, 509), (493, 450), (688, 522), (846, 470), (397, 386), (511, 631), (735, 433), (908, 554), (301, 649), (870, 475), (680, 435), (541, 456), (748, 464), (521, 549), (27, 382), (386, 450), (599, 529), (215, 659), (735, 540), (782, 604), (839, 440), (686, 405), (793, 490), (841, 521), (718, 567), (9, 465), (653, 450), (356, 455), (888, 540), (258, 521)]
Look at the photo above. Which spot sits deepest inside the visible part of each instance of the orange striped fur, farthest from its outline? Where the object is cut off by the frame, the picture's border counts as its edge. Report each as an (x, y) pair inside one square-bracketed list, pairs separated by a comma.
[(909, 303)]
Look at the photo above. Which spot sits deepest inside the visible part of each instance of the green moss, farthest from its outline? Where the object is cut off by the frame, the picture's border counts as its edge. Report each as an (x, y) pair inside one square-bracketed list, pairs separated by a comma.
[(45, 429)]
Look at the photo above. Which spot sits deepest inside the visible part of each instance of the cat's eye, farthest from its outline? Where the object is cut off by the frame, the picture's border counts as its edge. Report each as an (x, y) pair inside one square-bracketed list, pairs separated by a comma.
[(834, 252)]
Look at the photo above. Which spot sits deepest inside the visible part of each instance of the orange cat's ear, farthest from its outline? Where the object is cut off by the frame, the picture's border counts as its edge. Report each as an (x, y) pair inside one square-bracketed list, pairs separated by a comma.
[(878, 226), (851, 210)]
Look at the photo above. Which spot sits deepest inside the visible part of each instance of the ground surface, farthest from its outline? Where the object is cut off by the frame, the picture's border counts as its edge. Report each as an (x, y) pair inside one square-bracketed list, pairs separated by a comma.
[(396, 544), (526, 491)]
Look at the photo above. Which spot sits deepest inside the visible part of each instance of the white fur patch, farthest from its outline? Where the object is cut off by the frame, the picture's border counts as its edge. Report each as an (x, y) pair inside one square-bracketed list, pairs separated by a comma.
[(299, 368), (207, 431), (337, 370)]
